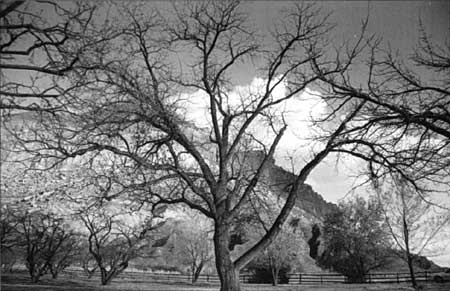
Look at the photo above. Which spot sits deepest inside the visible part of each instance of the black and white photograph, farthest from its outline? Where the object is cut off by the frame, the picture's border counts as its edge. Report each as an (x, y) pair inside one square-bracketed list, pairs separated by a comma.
[(224, 145)]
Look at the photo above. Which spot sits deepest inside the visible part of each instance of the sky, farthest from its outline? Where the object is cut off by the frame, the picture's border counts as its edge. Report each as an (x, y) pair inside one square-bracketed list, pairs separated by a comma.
[(397, 22)]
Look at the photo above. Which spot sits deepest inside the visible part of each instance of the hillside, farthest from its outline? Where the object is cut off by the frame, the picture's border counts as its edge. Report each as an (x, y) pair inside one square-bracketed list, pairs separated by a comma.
[(279, 181), (310, 209)]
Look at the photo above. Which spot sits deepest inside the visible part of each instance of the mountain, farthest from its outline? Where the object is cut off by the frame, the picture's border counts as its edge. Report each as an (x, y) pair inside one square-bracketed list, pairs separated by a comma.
[(309, 210), (280, 180)]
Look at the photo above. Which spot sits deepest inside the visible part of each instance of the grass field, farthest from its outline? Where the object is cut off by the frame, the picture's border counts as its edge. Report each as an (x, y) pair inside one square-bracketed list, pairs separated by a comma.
[(22, 283)]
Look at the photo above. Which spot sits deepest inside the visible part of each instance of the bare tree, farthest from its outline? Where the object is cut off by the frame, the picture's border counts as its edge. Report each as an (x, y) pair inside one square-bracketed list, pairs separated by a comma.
[(113, 242), (9, 238), (8, 228), (43, 236), (192, 246), (133, 102), (281, 254), (87, 262), (413, 223), (65, 257)]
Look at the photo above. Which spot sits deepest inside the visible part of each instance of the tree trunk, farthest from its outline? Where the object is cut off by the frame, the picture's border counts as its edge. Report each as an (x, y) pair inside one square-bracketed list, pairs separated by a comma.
[(34, 272), (106, 277), (275, 272), (54, 270), (411, 270), (228, 274), (197, 272), (409, 258), (36, 275)]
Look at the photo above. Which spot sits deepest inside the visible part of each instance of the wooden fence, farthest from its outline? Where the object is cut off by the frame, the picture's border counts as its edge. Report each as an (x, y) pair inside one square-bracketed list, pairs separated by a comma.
[(294, 278), (330, 278)]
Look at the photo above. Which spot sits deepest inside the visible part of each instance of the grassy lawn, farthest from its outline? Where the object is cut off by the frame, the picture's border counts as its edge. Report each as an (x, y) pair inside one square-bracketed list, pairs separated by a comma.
[(22, 283)]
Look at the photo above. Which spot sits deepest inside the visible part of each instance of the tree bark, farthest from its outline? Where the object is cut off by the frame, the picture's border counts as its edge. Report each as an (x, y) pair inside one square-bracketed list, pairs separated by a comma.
[(107, 277), (411, 271), (409, 257), (228, 274), (275, 272), (196, 272)]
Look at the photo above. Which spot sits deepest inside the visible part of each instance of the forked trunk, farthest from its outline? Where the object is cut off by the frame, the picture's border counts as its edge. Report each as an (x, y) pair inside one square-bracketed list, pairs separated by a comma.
[(228, 274), (54, 270), (196, 271), (107, 276)]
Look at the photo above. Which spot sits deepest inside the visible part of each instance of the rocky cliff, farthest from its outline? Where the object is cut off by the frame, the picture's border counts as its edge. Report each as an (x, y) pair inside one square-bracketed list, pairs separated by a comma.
[(279, 181)]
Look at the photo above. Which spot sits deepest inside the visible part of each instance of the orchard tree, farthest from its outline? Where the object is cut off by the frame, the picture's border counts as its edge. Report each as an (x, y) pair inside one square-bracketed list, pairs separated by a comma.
[(281, 254), (8, 225), (415, 225), (355, 239), (44, 237), (9, 238), (114, 239), (193, 246), (86, 261), (65, 257)]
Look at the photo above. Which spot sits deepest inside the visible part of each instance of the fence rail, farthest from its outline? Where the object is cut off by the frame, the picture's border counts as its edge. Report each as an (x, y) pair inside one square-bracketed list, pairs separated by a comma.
[(294, 278)]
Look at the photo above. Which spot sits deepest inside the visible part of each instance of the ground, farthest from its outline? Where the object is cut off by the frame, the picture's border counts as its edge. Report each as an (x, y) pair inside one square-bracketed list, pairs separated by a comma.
[(21, 283)]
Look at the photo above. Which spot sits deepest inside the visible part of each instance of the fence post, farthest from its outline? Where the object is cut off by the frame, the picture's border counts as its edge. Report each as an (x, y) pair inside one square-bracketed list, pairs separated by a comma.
[(398, 280), (426, 276), (321, 279), (370, 281), (299, 278), (207, 277)]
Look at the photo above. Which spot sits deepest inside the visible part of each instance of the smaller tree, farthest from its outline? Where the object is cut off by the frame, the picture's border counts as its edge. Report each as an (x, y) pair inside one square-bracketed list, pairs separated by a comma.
[(8, 238), (281, 254), (355, 239), (193, 247), (86, 260), (413, 223), (65, 257), (114, 239), (43, 237)]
